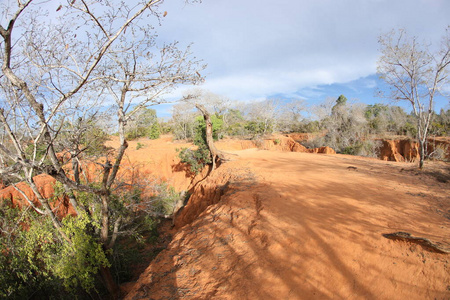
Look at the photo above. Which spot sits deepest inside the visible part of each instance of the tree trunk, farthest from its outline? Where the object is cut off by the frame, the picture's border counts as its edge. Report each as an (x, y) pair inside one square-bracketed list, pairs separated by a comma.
[(421, 153), (215, 153), (109, 282)]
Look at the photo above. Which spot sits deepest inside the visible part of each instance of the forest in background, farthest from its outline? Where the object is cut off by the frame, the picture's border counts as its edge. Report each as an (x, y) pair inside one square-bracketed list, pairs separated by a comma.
[(347, 126)]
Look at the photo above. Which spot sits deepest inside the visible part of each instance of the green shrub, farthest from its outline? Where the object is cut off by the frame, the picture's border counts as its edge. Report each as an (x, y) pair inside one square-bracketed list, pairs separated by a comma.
[(409, 129), (35, 263), (197, 159), (154, 131), (143, 124)]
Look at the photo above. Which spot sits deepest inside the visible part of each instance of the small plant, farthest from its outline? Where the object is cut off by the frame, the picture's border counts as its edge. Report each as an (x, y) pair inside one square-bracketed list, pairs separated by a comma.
[(139, 146), (277, 141)]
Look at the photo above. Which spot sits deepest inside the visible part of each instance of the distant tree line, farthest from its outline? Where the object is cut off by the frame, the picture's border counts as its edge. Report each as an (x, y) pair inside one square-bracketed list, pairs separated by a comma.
[(349, 127)]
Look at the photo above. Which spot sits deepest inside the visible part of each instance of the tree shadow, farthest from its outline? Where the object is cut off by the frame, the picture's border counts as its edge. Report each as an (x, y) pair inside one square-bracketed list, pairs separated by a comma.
[(292, 241)]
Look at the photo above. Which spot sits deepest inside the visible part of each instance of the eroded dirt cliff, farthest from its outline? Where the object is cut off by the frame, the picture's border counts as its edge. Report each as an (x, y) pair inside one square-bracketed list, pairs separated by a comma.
[(283, 225), (295, 225)]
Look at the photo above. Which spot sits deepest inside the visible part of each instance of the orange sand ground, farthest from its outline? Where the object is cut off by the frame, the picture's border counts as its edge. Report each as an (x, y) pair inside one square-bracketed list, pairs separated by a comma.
[(285, 225)]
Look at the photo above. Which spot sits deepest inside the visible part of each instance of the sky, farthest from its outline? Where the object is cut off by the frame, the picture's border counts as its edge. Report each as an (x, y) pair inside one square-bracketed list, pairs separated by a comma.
[(302, 49)]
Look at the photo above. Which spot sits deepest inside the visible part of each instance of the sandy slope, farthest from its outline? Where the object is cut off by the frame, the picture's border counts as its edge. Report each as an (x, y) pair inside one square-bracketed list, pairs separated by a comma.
[(306, 226)]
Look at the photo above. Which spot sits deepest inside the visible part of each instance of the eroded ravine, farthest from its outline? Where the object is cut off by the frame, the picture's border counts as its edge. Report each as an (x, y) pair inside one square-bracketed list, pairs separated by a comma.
[(274, 225)]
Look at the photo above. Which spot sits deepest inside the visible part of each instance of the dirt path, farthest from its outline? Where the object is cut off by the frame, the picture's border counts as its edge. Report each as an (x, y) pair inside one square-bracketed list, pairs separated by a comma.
[(308, 226)]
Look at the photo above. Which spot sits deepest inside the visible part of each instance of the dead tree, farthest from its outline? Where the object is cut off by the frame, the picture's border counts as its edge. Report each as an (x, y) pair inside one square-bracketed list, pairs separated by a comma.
[(217, 156)]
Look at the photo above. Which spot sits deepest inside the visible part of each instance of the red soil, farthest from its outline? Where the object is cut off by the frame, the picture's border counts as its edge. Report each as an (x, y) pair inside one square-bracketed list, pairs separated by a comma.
[(293, 225), (284, 225), (157, 160), (45, 185)]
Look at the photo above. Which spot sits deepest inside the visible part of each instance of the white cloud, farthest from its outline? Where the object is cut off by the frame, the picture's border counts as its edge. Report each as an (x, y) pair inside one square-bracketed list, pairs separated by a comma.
[(257, 48)]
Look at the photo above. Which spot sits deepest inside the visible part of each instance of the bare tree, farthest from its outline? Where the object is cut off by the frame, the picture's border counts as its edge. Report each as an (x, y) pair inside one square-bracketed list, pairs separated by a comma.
[(415, 74), (56, 71), (264, 114), (291, 115), (184, 120)]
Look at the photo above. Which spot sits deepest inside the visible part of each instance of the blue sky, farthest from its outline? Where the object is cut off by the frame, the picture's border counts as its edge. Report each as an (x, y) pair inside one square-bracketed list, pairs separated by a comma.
[(258, 49), (294, 49)]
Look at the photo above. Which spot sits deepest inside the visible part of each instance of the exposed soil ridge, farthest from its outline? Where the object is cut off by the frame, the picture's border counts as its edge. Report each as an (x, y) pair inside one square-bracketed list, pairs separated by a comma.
[(283, 225)]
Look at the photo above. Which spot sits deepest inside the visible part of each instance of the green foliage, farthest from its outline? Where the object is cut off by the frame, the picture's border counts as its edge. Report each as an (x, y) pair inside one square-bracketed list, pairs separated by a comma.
[(29, 247), (143, 124), (123, 259), (255, 128), (368, 148), (93, 141), (346, 129), (36, 260), (166, 128), (440, 126), (310, 127), (139, 146), (439, 129), (130, 251), (341, 100), (200, 129), (409, 129), (79, 261), (154, 131), (82, 134), (36, 150), (17, 266), (375, 110), (235, 123), (374, 115), (197, 159), (236, 129)]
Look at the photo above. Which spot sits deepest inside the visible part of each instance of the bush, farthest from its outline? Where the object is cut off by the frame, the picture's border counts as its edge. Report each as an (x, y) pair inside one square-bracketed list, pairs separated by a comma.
[(409, 129), (36, 263), (127, 253), (195, 159), (143, 124), (154, 132)]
